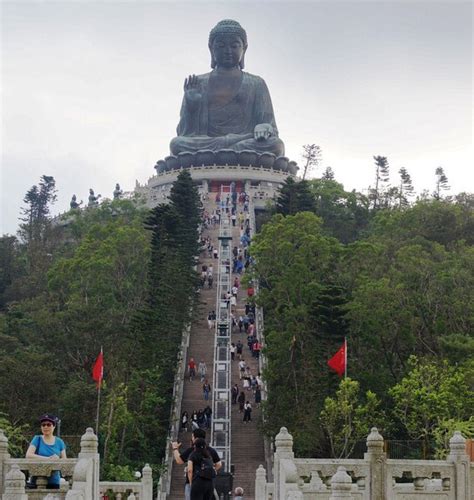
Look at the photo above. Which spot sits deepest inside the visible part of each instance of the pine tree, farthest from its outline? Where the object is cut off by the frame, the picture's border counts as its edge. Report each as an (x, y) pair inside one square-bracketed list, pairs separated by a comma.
[(382, 174), (405, 190), (312, 155), (286, 202), (441, 183), (36, 214), (295, 197), (328, 174), (185, 199)]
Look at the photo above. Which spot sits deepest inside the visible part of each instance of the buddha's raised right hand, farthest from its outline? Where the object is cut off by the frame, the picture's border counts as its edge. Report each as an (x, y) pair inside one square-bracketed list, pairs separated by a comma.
[(191, 90)]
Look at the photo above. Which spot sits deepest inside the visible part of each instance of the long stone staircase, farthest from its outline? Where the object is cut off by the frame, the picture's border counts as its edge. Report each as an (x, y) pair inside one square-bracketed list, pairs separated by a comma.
[(247, 450)]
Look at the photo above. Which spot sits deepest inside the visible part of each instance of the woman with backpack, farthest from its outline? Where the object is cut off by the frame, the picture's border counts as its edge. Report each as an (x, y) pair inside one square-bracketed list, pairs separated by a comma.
[(201, 472)]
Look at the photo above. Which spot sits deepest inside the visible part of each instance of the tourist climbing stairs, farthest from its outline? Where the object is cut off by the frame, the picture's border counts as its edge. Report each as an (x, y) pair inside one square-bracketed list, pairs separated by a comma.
[(244, 443)]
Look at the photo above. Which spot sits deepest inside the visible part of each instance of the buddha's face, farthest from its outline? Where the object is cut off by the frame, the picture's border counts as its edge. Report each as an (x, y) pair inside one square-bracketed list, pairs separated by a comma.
[(227, 50)]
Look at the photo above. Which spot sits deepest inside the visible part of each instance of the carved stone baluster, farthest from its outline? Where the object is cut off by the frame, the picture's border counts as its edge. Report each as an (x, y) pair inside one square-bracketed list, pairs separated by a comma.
[(147, 483), (360, 483), (4, 455), (118, 496), (419, 483), (459, 458), (283, 451), (41, 482), (15, 485), (341, 485), (260, 482), (376, 458)]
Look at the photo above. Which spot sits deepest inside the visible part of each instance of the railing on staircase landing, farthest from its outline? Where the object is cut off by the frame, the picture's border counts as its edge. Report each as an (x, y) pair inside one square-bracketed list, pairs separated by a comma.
[(221, 409)]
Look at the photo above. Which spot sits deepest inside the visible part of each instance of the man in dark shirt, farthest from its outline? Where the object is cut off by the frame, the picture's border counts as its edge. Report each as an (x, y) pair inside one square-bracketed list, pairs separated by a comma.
[(182, 458)]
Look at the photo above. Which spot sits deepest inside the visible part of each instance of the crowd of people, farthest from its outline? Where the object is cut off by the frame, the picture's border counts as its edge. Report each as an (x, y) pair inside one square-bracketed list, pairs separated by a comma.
[(246, 391)]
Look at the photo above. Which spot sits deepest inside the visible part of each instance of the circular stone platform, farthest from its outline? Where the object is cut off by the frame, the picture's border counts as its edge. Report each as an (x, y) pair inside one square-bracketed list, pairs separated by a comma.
[(259, 175)]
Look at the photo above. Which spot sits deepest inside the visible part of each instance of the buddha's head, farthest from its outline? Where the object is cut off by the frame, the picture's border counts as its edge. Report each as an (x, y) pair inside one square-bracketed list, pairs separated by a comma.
[(227, 44)]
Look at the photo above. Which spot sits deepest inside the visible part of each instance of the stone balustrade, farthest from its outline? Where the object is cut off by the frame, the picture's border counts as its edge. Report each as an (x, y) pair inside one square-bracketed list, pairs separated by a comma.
[(375, 477), (260, 183), (81, 476)]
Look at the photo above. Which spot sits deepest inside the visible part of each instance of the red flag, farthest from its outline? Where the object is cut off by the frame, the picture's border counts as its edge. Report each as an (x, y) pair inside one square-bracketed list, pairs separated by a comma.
[(339, 361), (98, 369)]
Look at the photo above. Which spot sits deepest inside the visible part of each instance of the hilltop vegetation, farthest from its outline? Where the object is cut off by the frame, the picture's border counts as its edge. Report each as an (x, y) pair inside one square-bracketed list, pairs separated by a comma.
[(396, 280), (118, 277), (393, 276)]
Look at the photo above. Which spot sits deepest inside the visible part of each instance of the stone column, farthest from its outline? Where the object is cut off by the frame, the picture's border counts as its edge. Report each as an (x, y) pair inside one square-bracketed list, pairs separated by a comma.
[(15, 485), (4, 455), (147, 483), (89, 447), (376, 458), (260, 483), (283, 450), (341, 485), (459, 458)]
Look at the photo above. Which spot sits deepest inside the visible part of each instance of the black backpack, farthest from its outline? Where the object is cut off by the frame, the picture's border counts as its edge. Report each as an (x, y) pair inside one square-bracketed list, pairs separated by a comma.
[(206, 471)]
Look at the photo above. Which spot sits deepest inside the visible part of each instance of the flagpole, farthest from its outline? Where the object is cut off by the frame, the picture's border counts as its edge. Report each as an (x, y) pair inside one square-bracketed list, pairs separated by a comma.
[(98, 410), (345, 357), (99, 387)]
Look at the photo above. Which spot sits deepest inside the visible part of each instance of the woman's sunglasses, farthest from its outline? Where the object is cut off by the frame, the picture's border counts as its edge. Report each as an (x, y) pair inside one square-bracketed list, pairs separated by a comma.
[(46, 424)]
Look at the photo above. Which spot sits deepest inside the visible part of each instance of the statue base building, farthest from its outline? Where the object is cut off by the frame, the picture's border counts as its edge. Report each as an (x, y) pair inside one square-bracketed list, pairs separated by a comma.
[(258, 175)]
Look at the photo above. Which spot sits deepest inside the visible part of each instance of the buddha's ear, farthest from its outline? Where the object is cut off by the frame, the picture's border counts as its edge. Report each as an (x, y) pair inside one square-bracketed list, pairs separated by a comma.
[(213, 61), (242, 61)]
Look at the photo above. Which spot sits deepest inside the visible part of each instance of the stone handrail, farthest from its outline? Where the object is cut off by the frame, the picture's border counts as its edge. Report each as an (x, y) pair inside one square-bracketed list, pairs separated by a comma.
[(262, 360), (143, 490), (164, 483), (42, 469), (84, 471), (375, 477)]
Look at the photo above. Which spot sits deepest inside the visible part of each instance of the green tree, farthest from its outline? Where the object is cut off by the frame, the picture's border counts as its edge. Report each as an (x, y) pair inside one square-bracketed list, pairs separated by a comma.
[(441, 183), (405, 188), (346, 419), (294, 196), (312, 156), (431, 394), (36, 214), (382, 175), (345, 214), (295, 264)]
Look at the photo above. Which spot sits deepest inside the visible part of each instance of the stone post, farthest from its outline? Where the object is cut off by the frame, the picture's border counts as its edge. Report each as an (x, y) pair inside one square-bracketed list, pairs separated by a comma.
[(4, 455), (341, 485), (260, 483), (15, 485), (147, 483), (247, 185), (283, 450), (376, 459), (459, 458), (205, 186), (89, 447)]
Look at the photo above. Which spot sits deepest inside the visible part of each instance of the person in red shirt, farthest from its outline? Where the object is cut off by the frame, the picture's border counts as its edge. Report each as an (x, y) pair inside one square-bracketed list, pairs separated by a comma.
[(191, 369)]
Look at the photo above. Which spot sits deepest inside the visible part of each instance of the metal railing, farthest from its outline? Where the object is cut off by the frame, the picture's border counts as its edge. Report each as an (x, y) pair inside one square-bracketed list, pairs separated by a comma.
[(221, 410)]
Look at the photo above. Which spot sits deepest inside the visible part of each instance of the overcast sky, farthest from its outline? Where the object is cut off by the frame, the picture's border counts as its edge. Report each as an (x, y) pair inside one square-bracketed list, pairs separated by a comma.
[(91, 91)]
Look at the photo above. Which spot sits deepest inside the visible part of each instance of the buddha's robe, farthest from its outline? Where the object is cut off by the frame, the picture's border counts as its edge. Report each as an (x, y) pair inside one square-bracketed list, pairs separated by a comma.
[(230, 126)]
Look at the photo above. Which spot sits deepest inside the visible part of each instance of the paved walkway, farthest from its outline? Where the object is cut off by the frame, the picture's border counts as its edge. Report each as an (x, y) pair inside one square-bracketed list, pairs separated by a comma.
[(247, 450)]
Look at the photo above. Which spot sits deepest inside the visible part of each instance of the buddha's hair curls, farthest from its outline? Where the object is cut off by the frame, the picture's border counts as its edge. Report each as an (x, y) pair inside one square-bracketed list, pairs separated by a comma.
[(228, 27)]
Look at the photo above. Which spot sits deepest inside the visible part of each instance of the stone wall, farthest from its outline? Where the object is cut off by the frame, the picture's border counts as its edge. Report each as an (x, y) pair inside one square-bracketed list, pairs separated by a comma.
[(260, 183), (81, 476), (375, 477)]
